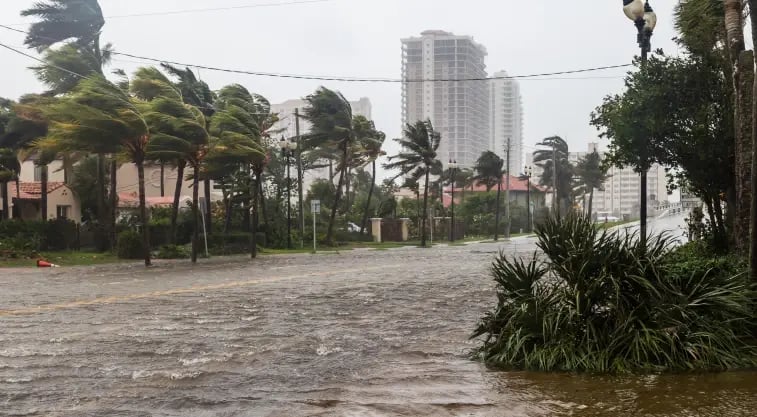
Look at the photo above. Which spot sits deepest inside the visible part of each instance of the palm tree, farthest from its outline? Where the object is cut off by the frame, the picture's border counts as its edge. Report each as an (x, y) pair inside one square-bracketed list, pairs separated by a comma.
[(9, 169), (197, 93), (79, 22), (100, 109), (178, 130), (369, 142), (592, 175), (464, 178), (331, 120), (416, 160), (549, 159), (490, 169), (238, 132)]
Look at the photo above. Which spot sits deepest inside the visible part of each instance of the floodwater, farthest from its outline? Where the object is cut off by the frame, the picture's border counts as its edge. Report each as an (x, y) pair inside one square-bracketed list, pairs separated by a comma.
[(362, 333)]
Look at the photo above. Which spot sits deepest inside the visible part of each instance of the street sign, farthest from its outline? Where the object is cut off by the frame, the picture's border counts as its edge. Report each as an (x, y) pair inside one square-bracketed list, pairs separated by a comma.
[(315, 206)]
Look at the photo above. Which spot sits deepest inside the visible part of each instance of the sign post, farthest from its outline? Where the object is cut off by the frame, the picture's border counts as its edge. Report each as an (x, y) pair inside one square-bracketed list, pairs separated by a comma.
[(315, 208)]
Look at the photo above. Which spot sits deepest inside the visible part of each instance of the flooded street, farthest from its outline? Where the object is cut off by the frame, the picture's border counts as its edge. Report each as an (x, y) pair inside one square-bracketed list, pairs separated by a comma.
[(361, 333)]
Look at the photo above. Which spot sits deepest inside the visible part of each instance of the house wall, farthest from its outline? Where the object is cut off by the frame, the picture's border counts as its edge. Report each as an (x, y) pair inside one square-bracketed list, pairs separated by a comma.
[(63, 196)]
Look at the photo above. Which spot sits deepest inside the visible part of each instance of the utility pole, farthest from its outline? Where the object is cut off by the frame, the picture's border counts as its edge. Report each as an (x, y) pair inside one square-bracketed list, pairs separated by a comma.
[(555, 200), (299, 176), (507, 193)]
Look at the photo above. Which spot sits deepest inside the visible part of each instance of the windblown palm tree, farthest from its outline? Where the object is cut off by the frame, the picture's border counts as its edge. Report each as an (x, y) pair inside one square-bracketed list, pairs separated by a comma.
[(239, 138), (416, 160), (545, 158), (330, 116), (592, 175), (177, 130), (78, 24), (490, 169), (369, 143), (97, 115)]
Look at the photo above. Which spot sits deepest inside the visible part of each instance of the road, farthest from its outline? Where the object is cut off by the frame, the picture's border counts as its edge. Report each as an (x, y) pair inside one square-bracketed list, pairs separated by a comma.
[(361, 333)]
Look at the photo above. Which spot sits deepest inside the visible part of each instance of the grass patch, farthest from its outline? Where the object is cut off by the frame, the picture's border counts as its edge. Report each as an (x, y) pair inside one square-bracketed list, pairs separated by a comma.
[(63, 259)]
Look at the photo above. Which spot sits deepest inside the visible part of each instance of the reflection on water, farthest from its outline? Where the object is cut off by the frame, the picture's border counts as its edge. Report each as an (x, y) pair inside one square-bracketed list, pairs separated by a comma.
[(389, 342)]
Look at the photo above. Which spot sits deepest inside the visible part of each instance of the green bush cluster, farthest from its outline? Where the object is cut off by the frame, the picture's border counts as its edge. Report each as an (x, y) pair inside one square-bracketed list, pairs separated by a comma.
[(130, 245), (172, 252), (604, 302), (24, 239)]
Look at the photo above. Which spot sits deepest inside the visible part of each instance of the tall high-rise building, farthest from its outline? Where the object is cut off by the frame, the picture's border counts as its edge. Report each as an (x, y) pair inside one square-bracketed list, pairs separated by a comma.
[(459, 110), (506, 120)]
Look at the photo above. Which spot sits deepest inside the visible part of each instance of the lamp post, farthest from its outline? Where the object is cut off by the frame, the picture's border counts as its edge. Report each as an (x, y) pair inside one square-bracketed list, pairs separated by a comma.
[(527, 176), (452, 172), (287, 150), (645, 20)]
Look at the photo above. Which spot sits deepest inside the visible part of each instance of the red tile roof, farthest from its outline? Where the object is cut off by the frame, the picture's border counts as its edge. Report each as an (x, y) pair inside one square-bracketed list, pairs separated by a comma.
[(130, 200), (33, 190), (516, 184)]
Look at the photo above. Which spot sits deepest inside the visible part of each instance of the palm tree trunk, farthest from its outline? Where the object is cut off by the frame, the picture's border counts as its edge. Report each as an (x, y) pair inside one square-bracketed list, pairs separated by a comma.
[(263, 205), (102, 216), (753, 206), (496, 216), (255, 219), (208, 208), (591, 202), (16, 205), (5, 200), (114, 199), (162, 179), (43, 195), (227, 213), (143, 211), (337, 195), (370, 195), (424, 214), (195, 213), (176, 199), (246, 216)]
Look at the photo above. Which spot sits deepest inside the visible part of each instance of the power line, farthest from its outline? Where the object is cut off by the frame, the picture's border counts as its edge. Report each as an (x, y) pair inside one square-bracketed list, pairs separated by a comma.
[(352, 79), (40, 60), (211, 9)]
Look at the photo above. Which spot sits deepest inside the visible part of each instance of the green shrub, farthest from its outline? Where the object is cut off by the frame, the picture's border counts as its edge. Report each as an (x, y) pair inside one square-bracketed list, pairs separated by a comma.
[(58, 234), (130, 245), (228, 244), (599, 301), (172, 252)]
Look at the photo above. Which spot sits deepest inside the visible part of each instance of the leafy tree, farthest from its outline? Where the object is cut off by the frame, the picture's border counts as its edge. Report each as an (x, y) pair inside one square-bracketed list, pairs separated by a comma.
[(549, 159), (416, 160), (490, 169), (592, 174), (84, 181)]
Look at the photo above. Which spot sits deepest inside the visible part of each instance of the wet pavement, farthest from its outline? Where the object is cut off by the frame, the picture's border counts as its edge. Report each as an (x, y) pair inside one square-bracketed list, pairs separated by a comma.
[(360, 333)]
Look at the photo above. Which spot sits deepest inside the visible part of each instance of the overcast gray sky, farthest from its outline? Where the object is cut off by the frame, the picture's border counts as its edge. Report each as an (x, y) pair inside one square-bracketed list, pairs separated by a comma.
[(362, 38)]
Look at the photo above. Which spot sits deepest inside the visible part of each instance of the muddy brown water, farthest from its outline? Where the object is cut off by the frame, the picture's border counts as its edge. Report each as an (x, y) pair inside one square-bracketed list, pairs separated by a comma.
[(364, 333)]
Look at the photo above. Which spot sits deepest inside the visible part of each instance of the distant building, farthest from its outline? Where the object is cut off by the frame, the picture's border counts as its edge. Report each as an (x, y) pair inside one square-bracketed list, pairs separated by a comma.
[(506, 120), (26, 201), (459, 110), (286, 127)]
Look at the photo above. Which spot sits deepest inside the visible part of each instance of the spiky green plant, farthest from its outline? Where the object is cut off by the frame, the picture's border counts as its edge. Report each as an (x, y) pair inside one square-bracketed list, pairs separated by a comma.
[(600, 301)]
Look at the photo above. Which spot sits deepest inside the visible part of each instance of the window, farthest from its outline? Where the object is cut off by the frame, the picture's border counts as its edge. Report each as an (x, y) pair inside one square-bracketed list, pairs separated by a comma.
[(63, 211), (38, 173)]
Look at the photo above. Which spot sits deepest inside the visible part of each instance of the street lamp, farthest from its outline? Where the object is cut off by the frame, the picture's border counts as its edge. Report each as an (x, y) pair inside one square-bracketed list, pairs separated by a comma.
[(287, 150), (452, 171), (529, 172), (645, 20)]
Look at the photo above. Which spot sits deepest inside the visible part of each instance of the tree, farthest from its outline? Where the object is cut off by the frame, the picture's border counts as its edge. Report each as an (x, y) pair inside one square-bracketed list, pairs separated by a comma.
[(592, 174), (416, 160), (549, 159), (9, 169), (197, 93), (177, 130), (753, 208), (464, 179), (369, 142), (80, 23), (239, 144), (99, 109), (331, 120), (490, 169)]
